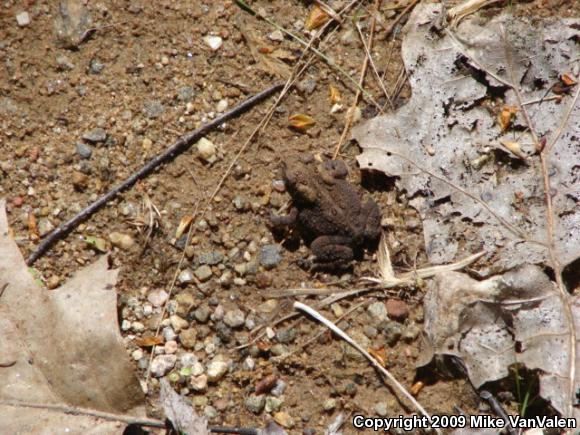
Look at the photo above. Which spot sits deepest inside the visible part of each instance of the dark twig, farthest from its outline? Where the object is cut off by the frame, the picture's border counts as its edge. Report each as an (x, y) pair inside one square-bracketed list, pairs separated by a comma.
[(497, 409), (182, 144), (234, 430)]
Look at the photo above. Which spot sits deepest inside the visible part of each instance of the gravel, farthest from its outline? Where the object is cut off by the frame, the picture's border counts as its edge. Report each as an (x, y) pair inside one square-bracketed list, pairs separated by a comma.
[(216, 370), (23, 19), (255, 404), (202, 313), (162, 364), (203, 273), (84, 151), (235, 318), (378, 312), (96, 135), (270, 256)]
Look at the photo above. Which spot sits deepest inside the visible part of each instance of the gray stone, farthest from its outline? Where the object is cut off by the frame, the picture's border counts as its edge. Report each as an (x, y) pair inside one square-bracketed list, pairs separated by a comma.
[(96, 135), (234, 318), (96, 67), (279, 388), (162, 364), (381, 409), (185, 94), (211, 258), (198, 383), (255, 404), (270, 256), (203, 273), (84, 151), (273, 404), (185, 276), (153, 109), (286, 336), (392, 331), (202, 313), (378, 312), (241, 203), (210, 412), (307, 86), (72, 23)]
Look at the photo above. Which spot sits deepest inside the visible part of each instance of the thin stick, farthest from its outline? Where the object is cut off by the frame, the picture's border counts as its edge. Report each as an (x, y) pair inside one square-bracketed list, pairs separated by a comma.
[(313, 313), (128, 419), (182, 144), (361, 80)]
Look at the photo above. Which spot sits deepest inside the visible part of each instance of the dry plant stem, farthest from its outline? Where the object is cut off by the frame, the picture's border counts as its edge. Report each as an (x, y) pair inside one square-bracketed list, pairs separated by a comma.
[(361, 80), (374, 68), (316, 315), (564, 121), (182, 144), (150, 422)]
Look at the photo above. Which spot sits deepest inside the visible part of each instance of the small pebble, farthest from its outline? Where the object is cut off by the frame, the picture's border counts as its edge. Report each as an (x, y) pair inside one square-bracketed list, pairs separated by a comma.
[(206, 150), (279, 388), (137, 327), (23, 19), (162, 364), (202, 313), (273, 404), (84, 150), (211, 258), (80, 181), (392, 331), (198, 383), (188, 359), (96, 135), (270, 256), (170, 347), (137, 354), (169, 334), (53, 282), (286, 336), (210, 412), (188, 338), (234, 318), (381, 409), (157, 297), (122, 241), (307, 86), (378, 312), (216, 370), (255, 404), (276, 35), (178, 323), (185, 277), (203, 273), (153, 109), (284, 420), (222, 105), (397, 309), (214, 42), (96, 66), (329, 405), (125, 325)]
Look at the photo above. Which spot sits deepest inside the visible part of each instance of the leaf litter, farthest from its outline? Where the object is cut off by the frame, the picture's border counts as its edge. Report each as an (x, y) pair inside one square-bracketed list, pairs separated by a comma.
[(487, 98), (63, 362)]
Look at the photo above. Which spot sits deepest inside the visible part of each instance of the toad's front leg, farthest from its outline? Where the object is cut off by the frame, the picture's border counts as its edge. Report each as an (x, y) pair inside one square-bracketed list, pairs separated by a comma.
[(281, 221)]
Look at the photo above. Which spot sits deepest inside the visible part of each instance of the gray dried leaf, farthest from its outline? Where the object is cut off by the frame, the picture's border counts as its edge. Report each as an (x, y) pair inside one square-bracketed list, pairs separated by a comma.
[(180, 412), (514, 318), (446, 130)]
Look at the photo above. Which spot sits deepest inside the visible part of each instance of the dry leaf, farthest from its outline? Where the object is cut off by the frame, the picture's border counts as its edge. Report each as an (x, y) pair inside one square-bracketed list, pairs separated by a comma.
[(150, 341), (32, 227), (180, 412), (301, 122), (514, 148), (334, 94), (416, 388), (184, 224), (506, 116), (283, 54), (65, 349), (568, 80), (266, 384), (316, 18), (380, 354)]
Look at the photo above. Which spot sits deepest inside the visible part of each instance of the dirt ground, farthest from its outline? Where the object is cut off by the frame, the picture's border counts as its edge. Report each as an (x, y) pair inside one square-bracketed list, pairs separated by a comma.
[(146, 76)]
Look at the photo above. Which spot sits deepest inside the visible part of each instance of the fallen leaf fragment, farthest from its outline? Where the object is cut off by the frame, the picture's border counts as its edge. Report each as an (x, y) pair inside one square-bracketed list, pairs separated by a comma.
[(66, 350), (380, 354), (334, 94), (184, 224), (150, 341), (265, 385), (181, 414), (301, 122), (316, 19), (506, 117), (514, 148), (568, 80)]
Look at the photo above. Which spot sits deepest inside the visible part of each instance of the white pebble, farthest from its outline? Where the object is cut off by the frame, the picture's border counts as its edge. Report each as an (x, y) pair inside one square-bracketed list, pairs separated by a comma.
[(216, 370), (157, 297), (23, 19), (162, 364), (214, 42), (206, 150), (137, 354), (222, 105)]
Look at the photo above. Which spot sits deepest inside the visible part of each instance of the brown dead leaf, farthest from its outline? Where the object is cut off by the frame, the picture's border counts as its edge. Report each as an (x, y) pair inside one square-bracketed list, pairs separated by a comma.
[(568, 80), (514, 148), (506, 116), (149, 341), (316, 18), (266, 384), (32, 227), (64, 347), (300, 122), (282, 54), (380, 354), (334, 94)]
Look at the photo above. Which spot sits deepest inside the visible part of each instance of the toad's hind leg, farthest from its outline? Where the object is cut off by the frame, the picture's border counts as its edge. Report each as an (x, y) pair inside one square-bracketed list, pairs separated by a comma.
[(332, 249)]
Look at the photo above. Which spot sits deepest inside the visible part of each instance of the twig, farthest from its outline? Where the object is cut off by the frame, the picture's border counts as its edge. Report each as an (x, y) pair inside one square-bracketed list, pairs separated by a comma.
[(182, 144), (363, 72), (316, 315), (497, 408), (143, 421)]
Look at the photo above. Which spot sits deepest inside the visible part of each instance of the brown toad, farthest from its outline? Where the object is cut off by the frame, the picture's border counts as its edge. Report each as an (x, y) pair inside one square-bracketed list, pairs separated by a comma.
[(327, 209)]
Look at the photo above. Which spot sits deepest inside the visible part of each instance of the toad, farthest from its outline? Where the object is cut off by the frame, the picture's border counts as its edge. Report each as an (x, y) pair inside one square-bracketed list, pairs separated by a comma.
[(327, 209)]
